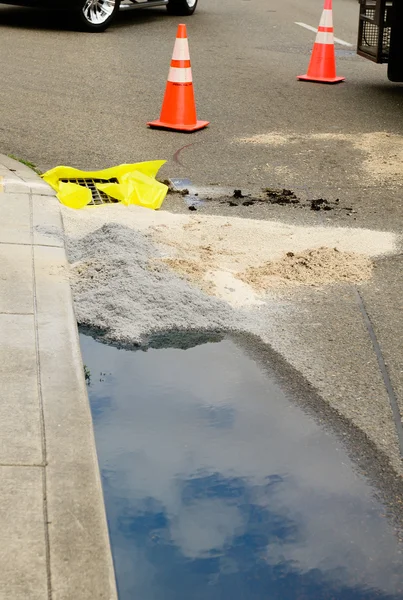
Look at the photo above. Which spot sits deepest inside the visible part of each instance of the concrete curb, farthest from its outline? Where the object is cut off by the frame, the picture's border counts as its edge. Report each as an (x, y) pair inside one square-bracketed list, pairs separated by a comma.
[(57, 546)]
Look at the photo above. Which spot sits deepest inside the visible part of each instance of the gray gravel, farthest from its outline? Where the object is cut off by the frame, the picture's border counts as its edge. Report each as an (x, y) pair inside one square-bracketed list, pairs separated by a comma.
[(128, 295)]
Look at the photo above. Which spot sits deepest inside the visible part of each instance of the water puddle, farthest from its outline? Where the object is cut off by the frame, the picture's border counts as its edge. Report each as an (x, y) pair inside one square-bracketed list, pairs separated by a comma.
[(218, 486)]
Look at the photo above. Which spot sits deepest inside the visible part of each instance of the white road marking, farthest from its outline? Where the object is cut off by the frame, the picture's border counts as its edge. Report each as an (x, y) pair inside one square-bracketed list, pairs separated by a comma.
[(315, 30)]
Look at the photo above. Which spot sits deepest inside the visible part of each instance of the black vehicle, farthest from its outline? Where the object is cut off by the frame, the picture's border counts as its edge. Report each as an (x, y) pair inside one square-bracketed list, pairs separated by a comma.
[(97, 15)]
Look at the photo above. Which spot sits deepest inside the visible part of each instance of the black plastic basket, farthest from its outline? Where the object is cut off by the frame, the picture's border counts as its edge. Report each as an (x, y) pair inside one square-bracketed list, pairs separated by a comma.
[(374, 30)]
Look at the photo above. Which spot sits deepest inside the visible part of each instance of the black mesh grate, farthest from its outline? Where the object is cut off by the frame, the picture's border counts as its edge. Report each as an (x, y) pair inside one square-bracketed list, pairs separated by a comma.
[(374, 32), (98, 197), (370, 37)]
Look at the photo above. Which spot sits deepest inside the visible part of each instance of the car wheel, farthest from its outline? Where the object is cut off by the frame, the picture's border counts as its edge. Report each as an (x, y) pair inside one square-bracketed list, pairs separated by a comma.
[(181, 7), (96, 15)]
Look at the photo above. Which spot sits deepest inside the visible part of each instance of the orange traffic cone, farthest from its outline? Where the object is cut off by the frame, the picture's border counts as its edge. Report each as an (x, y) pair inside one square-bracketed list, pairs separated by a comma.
[(179, 108), (322, 67)]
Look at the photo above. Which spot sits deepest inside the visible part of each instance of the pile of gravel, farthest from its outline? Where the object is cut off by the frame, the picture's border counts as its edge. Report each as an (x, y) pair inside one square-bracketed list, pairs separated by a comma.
[(120, 288)]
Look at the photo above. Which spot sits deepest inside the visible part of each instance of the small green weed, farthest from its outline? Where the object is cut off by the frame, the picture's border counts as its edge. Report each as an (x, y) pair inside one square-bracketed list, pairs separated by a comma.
[(27, 163)]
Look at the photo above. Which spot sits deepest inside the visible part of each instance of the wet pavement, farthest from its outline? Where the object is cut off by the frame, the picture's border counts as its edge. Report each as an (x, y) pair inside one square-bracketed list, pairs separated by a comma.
[(219, 485)]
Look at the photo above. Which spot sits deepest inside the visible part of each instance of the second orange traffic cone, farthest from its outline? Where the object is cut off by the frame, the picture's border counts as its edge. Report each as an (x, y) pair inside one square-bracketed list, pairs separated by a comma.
[(322, 66), (179, 107)]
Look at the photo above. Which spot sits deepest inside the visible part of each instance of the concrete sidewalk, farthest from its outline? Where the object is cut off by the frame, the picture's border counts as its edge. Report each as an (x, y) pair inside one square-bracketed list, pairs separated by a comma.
[(54, 539)]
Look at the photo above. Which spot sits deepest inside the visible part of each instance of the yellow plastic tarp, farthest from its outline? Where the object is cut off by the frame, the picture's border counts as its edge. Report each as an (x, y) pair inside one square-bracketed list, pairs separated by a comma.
[(73, 195), (136, 184)]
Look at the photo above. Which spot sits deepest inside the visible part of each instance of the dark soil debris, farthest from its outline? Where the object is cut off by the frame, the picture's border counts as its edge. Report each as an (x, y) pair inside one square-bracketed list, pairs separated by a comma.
[(282, 197), (321, 204), (173, 190)]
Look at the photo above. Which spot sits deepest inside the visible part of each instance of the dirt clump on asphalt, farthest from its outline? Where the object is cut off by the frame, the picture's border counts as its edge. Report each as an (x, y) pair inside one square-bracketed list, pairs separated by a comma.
[(321, 204), (314, 267), (282, 197)]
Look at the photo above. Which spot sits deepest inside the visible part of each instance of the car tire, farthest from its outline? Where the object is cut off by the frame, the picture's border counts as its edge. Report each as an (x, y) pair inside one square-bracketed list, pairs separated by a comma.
[(96, 15), (181, 7)]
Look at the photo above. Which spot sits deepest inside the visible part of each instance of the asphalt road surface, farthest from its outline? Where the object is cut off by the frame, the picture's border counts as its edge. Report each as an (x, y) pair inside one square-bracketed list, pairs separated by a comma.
[(84, 100)]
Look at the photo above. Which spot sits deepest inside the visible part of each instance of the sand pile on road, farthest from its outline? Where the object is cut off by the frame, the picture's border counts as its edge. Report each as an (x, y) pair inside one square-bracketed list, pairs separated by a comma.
[(235, 244), (319, 266), (237, 259), (193, 271), (136, 271)]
